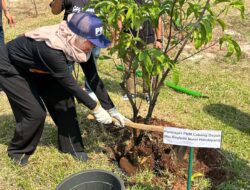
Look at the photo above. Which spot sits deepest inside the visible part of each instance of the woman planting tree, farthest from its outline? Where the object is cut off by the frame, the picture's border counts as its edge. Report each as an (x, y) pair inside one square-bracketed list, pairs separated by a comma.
[(37, 76)]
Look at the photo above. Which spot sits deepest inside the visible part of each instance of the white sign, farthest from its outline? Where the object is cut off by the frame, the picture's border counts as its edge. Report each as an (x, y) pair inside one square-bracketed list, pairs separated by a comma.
[(192, 138)]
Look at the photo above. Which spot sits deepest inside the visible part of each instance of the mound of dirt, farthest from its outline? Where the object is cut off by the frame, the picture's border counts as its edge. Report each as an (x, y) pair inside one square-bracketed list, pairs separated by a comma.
[(147, 150)]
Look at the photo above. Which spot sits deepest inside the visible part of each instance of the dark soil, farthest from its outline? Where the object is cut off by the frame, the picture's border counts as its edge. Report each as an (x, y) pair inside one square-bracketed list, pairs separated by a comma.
[(150, 152)]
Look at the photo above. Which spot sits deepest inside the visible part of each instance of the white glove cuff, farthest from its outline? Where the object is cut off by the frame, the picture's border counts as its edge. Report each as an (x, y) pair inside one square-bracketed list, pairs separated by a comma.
[(98, 110), (112, 111)]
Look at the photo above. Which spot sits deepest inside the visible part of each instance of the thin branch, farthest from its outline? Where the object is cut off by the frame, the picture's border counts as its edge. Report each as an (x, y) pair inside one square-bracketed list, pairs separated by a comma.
[(170, 26), (172, 47), (203, 49), (132, 103), (194, 28), (179, 32)]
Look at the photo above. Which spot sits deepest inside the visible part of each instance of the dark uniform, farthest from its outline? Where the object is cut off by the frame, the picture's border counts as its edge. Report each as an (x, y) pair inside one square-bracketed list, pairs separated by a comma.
[(35, 76), (73, 6), (146, 33)]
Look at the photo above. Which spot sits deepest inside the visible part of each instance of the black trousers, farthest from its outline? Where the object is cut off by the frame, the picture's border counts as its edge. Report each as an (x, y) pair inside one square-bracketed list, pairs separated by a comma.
[(28, 95)]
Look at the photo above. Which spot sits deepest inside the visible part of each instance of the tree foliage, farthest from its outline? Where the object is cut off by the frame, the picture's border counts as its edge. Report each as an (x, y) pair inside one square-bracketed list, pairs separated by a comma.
[(188, 22)]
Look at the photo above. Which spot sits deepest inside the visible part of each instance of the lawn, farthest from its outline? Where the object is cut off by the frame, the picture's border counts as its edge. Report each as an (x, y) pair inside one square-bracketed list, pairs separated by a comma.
[(224, 80)]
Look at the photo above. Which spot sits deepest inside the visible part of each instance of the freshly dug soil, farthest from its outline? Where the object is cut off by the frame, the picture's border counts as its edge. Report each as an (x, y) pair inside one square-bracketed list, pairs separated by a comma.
[(150, 152)]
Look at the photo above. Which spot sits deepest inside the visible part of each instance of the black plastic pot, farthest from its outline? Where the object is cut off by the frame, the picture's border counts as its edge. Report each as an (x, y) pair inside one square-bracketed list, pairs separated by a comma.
[(92, 180)]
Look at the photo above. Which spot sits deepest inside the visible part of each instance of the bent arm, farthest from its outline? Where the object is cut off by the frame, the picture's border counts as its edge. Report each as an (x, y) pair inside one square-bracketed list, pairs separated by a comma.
[(159, 29), (96, 84), (7, 14), (56, 63), (158, 43), (4, 5)]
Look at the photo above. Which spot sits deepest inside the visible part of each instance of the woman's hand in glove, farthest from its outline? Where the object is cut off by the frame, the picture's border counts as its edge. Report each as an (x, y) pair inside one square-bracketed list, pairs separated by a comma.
[(118, 116), (101, 115)]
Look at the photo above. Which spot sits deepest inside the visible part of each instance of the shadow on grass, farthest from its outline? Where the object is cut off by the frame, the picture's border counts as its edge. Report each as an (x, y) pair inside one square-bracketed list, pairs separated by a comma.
[(7, 128), (95, 135), (92, 132), (112, 86), (230, 115), (235, 176)]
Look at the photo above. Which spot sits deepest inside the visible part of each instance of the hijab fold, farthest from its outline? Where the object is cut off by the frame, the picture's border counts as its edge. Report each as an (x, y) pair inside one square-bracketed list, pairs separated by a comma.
[(60, 37)]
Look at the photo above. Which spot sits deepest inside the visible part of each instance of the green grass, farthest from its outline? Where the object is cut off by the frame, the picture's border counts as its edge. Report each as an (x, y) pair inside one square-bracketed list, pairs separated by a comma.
[(227, 109)]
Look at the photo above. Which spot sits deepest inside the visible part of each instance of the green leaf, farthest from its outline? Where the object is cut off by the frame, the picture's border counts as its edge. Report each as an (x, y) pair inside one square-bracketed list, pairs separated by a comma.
[(129, 13), (177, 23), (232, 46), (111, 18), (230, 49), (197, 43), (221, 1), (208, 28), (148, 64), (181, 2), (175, 75), (203, 33), (104, 4), (237, 49), (135, 63), (197, 39), (104, 57), (138, 39), (239, 4), (225, 38), (157, 70), (190, 10), (142, 56), (158, 54), (221, 23)]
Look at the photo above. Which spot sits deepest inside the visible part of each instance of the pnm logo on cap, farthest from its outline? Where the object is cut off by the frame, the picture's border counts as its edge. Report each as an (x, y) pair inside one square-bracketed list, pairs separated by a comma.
[(98, 31)]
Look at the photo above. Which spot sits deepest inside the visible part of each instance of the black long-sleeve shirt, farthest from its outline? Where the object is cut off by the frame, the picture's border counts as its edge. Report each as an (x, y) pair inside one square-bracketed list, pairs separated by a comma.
[(26, 54), (72, 6)]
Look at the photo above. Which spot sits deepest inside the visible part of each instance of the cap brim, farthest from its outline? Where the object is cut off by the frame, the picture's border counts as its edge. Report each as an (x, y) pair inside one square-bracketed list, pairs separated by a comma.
[(101, 42)]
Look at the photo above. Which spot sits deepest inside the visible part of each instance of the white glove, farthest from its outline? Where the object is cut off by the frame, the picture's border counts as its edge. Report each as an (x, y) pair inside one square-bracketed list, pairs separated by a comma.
[(117, 115), (102, 116)]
